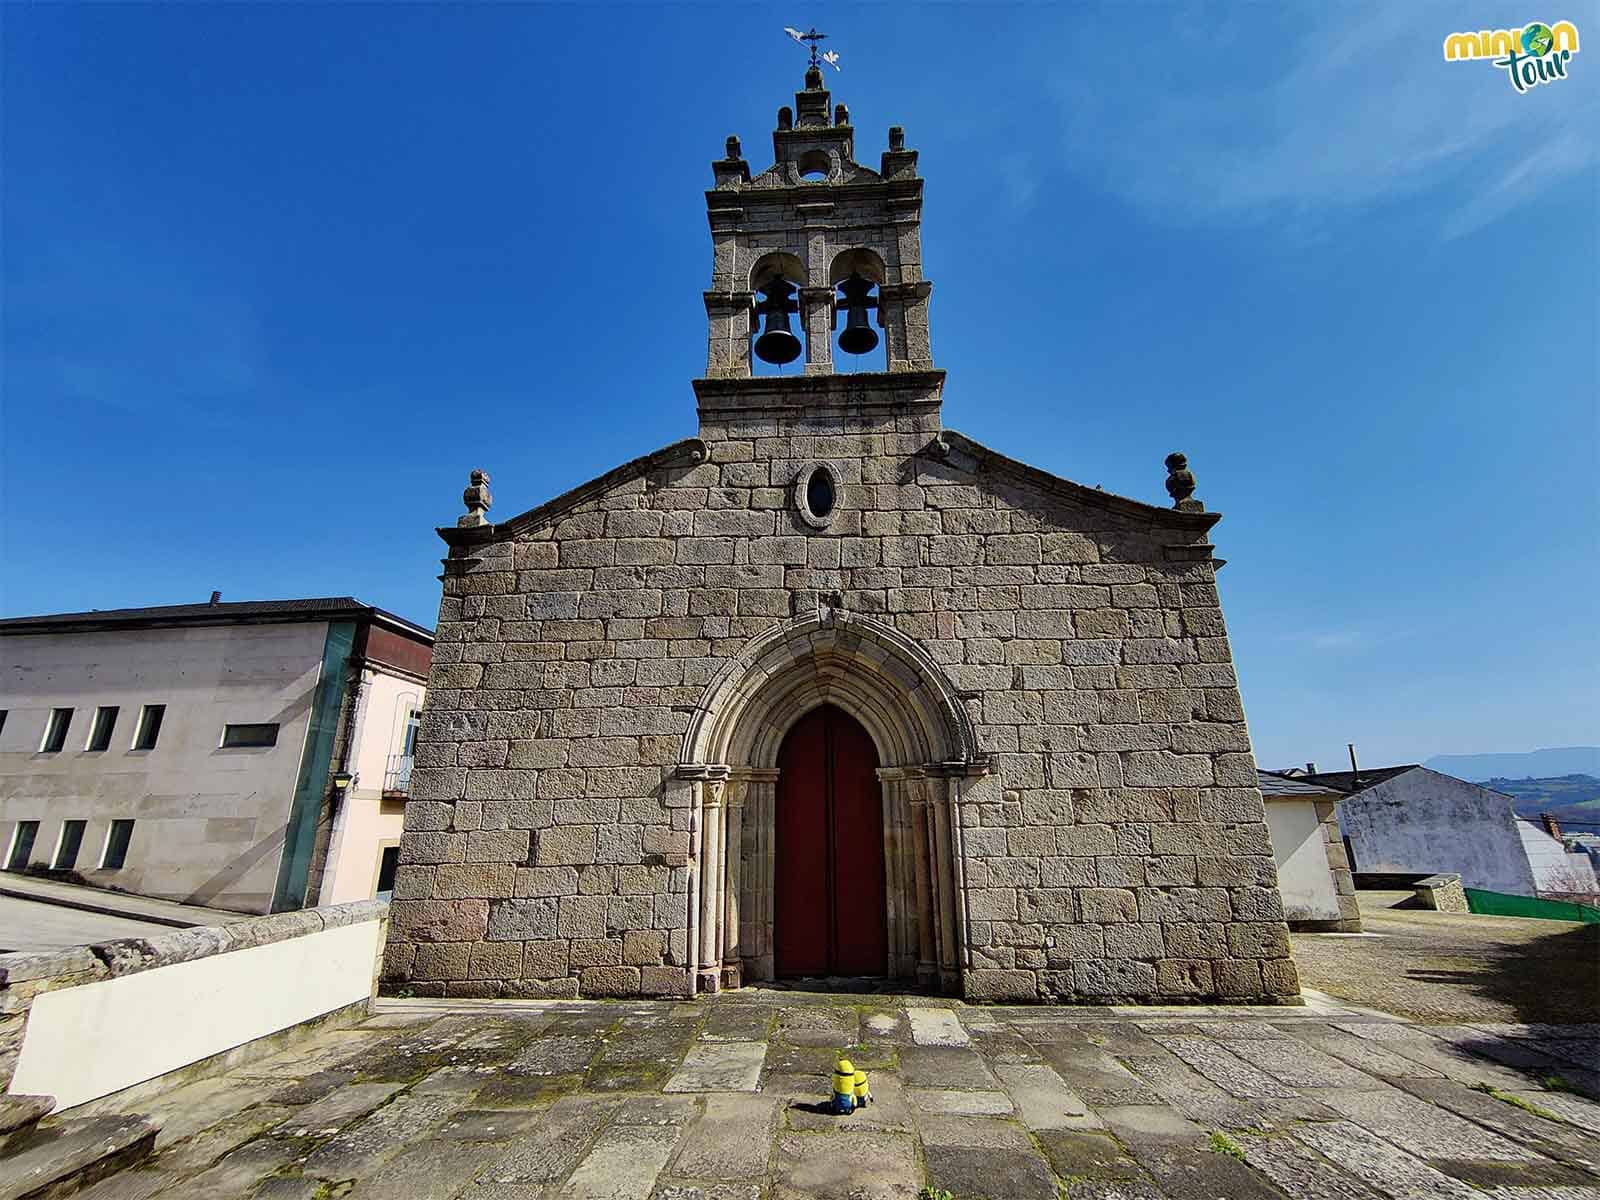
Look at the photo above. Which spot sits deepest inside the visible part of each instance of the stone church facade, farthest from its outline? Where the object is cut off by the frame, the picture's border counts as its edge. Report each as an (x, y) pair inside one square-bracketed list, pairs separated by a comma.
[(830, 689)]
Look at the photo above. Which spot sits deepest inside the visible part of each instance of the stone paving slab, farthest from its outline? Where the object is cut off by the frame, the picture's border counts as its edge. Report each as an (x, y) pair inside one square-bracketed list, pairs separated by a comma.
[(725, 1099), (720, 1067)]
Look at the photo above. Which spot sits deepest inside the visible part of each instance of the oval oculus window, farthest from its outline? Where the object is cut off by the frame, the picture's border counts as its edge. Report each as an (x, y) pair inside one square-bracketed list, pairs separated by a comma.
[(817, 492), (820, 494)]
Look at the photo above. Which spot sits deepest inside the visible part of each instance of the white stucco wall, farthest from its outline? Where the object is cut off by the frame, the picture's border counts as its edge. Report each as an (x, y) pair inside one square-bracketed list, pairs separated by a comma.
[(209, 821), (368, 822), (85, 1042), (1298, 847), (1429, 823), (1554, 870), (388, 698)]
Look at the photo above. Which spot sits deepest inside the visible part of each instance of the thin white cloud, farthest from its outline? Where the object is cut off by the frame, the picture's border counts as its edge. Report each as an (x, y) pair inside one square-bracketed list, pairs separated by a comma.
[(1330, 639), (114, 325), (1351, 107)]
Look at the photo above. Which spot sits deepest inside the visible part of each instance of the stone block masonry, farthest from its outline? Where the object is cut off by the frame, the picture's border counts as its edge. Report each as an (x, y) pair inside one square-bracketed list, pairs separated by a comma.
[(607, 797), (596, 715)]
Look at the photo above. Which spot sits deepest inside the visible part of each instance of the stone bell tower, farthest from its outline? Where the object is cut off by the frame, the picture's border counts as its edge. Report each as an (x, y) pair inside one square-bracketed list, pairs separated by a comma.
[(820, 236)]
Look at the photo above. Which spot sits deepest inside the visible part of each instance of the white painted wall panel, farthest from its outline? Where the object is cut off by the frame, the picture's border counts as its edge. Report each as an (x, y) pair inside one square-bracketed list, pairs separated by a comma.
[(86, 1042), (1304, 880)]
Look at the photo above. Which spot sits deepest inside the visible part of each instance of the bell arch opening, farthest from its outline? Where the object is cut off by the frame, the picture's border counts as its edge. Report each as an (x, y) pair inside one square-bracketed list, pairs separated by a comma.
[(778, 329), (925, 749)]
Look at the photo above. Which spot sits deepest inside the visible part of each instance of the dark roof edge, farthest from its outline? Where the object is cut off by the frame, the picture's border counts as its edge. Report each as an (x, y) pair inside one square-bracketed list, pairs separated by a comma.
[(688, 452), (243, 612), (993, 460), (1370, 777), (1292, 785)]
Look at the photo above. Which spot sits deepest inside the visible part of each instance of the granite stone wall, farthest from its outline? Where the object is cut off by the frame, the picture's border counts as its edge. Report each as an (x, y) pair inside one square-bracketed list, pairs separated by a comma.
[(1109, 833)]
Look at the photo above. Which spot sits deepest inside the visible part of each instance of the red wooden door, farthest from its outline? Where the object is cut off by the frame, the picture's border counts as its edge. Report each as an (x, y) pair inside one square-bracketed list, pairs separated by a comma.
[(830, 909)]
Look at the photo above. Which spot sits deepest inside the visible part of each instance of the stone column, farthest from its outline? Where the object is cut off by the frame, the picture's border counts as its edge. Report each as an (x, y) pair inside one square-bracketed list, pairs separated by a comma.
[(816, 315), (943, 867), (903, 314), (763, 874), (733, 871), (894, 918), (710, 883), (728, 334), (927, 905)]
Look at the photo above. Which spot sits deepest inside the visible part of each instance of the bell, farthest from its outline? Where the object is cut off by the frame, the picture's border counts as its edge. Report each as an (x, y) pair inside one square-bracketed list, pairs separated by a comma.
[(777, 343), (858, 337)]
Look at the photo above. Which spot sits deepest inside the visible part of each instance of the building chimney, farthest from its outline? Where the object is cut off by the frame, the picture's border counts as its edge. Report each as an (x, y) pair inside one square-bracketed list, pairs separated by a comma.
[(1311, 768), (216, 597), (1551, 826), (1355, 769)]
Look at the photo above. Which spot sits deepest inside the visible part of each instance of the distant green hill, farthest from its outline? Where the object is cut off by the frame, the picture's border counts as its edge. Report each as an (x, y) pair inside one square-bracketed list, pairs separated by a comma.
[(1567, 797)]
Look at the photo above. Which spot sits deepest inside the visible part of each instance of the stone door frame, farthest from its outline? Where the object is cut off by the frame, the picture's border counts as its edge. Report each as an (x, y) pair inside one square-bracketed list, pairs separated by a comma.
[(727, 779)]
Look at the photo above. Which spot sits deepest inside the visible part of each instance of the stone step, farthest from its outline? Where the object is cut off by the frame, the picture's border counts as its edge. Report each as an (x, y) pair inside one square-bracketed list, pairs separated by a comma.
[(18, 1114), (58, 1158)]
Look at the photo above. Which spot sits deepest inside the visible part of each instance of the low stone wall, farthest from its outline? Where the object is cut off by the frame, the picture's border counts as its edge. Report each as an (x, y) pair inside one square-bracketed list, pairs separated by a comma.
[(1442, 893), (86, 1021)]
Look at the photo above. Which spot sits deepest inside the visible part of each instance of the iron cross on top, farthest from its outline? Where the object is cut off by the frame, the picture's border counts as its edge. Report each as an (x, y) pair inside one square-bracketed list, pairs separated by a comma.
[(809, 39)]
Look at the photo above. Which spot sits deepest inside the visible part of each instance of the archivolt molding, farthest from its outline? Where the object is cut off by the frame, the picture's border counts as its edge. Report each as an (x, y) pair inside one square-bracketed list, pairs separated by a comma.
[(864, 665)]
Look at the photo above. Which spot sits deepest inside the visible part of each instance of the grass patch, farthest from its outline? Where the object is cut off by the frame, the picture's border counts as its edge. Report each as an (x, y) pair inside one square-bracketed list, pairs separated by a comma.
[(1221, 1143), (1554, 1083), (929, 1192), (1515, 1101)]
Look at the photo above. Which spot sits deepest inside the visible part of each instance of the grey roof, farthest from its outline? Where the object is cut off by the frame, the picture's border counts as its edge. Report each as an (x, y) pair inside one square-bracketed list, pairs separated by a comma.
[(243, 612), (1273, 784), (1345, 781)]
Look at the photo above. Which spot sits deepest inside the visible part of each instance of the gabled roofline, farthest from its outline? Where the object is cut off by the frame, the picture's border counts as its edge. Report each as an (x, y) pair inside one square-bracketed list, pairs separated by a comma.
[(690, 452), (992, 461)]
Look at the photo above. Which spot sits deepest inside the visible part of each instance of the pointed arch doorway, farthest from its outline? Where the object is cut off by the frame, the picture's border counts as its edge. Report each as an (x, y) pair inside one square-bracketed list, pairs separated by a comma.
[(924, 764), (830, 906)]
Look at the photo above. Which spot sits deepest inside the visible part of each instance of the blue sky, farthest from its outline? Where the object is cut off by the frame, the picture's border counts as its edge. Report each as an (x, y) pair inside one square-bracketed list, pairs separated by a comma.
[(276, 276)]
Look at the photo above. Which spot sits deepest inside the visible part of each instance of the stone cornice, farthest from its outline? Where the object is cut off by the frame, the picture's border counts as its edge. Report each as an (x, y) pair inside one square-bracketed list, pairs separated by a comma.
[(689, 452), (991, 462), (791, 393)]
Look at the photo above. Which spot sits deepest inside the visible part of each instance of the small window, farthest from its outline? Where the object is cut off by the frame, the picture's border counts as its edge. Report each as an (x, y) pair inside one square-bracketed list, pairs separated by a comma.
[(149, 730), (55, 730), (67, 849), (386, 868), (117, 846), (2, 720), (21, 844), (819, 493), (238, 736), (413, 722), (105, 720)]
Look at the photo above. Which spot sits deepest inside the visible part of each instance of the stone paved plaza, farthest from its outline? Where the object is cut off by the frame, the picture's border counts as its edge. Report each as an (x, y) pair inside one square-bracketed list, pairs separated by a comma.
[(721, 1099)]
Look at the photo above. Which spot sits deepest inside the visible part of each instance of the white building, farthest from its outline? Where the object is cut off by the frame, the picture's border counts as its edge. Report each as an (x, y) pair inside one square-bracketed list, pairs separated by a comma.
[(1313, 872), (1410, 820), (248, 756)]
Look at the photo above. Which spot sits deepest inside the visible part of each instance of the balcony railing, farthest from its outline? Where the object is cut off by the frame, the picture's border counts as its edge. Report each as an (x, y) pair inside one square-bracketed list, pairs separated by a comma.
[(397, 779)]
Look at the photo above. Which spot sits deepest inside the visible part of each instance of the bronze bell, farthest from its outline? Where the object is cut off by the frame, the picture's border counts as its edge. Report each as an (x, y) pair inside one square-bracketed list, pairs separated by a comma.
[(858, 337), (777, 343)]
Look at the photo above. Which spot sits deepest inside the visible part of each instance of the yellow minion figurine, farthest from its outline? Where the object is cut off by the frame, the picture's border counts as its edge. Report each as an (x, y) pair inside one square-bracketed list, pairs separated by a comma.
[(863, 1097), (844, 1087)]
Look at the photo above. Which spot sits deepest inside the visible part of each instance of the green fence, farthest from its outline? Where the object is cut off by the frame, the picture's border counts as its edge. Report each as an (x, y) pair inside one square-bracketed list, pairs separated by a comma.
[(1499, 904)]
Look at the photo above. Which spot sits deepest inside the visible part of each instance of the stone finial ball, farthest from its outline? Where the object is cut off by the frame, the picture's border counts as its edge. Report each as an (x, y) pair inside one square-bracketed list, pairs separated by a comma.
[(1177, 462)]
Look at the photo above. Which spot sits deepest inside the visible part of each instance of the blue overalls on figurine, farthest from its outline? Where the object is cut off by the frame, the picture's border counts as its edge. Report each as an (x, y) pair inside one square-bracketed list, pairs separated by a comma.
[(844, 1088)]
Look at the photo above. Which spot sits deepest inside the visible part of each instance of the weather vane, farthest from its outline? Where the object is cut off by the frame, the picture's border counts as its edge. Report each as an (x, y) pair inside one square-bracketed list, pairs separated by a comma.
[(809, 39)]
